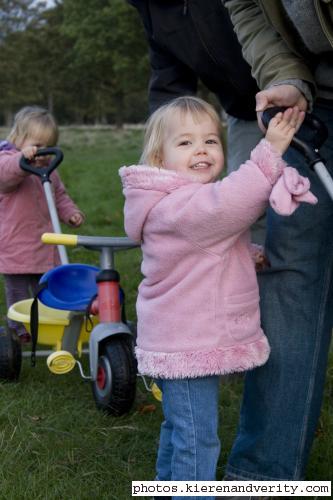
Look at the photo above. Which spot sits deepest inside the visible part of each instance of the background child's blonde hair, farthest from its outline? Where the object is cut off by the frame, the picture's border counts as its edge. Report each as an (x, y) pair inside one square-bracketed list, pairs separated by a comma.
[(156, 124), (34, 121)]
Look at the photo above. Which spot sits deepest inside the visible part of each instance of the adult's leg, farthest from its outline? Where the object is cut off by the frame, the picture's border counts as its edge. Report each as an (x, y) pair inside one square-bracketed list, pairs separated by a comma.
[(242, 137), (282, 399), (190, 409)]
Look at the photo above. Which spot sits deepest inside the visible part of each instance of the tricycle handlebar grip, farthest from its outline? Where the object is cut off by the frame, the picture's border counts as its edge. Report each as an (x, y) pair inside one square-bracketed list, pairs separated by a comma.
[(43, 172), (60, 239)]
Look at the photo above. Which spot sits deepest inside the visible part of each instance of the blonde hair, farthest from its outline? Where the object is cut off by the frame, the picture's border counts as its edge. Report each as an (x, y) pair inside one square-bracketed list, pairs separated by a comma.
[(34, 121), (158, 121)]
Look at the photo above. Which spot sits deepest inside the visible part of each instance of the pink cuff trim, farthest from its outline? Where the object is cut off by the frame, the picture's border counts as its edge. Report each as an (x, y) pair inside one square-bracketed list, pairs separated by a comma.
[(289, 191), (200, 364), (268, 160)]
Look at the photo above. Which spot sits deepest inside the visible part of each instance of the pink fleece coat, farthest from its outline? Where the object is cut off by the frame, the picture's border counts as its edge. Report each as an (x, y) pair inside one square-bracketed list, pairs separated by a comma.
[(198, 304), (24, 217)]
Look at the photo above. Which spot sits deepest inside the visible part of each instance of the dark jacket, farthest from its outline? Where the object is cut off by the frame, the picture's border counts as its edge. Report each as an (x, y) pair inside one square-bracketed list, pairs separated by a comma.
[(191, 40)]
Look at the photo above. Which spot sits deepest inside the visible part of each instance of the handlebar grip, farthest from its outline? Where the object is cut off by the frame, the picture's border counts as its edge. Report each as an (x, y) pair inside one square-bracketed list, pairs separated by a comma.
[(43, 172), (60, 239), (269, 113), (312, 132)]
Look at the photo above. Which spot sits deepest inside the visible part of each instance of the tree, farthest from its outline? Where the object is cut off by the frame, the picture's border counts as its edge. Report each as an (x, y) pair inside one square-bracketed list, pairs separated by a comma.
[(85, 59), (109, 54), (15, 16)]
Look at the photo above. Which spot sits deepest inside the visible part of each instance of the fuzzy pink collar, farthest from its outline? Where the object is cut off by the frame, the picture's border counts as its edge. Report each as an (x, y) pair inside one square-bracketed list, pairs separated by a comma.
[(159, 179)]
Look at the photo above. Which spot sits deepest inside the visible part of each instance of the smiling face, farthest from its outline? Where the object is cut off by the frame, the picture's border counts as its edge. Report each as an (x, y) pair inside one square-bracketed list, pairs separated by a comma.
[(193, 145)]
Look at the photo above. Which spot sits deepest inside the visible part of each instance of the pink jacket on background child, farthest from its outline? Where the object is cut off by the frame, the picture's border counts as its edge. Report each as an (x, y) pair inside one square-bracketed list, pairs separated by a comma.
[(24, 217), (198, 304)]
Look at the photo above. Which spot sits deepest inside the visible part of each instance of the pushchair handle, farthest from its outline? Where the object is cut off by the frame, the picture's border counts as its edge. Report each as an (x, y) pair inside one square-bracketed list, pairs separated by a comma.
[(43, 172), (308, 139)]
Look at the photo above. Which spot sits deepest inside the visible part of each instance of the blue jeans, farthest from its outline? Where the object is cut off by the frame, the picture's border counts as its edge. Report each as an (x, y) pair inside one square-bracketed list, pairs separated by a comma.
[(243, 136), (282, 399), (189, 445)]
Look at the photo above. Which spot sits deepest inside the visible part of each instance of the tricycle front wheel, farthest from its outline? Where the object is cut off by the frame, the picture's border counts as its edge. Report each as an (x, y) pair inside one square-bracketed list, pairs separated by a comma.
[(114, 388)]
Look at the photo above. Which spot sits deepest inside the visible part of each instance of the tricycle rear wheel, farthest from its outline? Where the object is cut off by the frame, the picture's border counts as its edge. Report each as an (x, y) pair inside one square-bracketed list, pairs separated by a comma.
[(114, 389), (10, 354)]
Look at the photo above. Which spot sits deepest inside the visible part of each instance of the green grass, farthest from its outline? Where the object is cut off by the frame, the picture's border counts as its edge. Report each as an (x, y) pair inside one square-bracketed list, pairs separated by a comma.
[(54, 444)]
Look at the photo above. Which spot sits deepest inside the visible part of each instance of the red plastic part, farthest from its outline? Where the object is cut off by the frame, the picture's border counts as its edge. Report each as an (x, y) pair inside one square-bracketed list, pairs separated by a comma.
[(109, 309), (101, 377)]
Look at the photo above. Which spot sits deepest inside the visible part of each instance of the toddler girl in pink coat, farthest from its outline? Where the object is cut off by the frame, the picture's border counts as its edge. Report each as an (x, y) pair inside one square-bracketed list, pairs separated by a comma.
[(198, 303), (24, 215)]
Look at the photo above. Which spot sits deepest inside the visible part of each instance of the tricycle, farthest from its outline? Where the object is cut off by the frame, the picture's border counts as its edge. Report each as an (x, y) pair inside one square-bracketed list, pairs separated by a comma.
[(77, 304)]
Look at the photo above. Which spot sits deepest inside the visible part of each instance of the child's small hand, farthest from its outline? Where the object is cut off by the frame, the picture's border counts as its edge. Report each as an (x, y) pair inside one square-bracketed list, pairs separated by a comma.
[(29, 152), (259, 258), (282, 128), (261, 263), (76, 219)]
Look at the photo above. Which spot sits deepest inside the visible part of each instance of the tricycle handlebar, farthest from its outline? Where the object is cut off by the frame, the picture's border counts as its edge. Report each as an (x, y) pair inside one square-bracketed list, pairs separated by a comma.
[(121, 242)]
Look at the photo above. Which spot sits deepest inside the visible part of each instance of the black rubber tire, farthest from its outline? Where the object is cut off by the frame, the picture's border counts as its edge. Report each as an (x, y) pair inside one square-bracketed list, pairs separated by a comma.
[(114, 390), (10, 355)]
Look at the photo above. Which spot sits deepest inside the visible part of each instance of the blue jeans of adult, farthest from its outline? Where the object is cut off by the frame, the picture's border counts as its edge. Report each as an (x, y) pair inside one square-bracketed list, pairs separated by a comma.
[(243, 136), (189, 445), (282, 399)]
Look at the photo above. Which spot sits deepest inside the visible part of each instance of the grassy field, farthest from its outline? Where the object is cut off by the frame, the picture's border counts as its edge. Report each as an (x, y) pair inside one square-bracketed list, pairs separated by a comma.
[(54, 444)]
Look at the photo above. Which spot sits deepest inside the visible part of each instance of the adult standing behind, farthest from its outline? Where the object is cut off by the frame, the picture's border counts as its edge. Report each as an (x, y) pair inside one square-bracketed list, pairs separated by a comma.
[(194, 40), (289, 46)]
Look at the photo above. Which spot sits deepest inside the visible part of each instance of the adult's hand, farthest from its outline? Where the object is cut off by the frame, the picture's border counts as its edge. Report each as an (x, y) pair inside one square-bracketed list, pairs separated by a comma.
[(279, 95)]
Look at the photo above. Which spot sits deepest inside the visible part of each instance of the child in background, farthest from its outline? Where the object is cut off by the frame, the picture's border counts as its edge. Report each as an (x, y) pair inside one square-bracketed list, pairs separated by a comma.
[(198, 304), (24, 214)]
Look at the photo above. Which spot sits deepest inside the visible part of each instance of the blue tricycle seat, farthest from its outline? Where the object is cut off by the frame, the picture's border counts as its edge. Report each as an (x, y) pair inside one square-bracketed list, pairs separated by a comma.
[(69, 287)]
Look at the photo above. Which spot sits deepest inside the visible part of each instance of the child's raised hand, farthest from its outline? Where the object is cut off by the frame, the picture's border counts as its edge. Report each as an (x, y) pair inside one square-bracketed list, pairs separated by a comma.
[(76, 219), (29, 152), (282, 128)]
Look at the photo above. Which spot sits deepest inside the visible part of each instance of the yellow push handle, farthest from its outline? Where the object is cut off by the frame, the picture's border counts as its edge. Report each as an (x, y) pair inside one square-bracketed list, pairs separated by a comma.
[(60, 239), (157, 393)]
